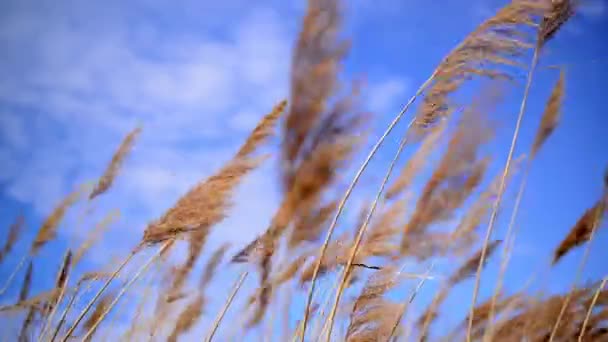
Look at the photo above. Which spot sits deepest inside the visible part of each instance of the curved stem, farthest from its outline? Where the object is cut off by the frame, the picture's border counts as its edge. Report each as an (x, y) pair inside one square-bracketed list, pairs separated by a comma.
[(49, 319), (128, 285), (99, 293), (501, 190), (9, 281), (410, 300), (361, 232), (222, 313), (347, 194), (593, 302), (506, 252), (67, 309)]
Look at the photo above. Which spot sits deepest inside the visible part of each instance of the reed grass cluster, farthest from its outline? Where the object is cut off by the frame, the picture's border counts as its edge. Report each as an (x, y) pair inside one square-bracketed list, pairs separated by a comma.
[(414, 219)]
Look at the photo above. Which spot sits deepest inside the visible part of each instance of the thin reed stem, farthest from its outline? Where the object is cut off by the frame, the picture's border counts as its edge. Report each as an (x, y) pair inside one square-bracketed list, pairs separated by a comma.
[(410, 300), (99, 293), (222, 313), (591, 306), (347, 194), (507, 250), (361, 232), (49, 319), (67, 309), (128, 285), (10, 279), (501, 190)]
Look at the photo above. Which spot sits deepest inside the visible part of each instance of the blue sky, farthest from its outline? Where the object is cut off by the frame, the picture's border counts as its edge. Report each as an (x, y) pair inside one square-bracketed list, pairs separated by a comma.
[(75, 77)]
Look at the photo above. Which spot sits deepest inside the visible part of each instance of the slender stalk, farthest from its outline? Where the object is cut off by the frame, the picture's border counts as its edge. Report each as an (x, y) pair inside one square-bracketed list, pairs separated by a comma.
[(501, 189), (507, 250), (361, 232), (49, 319), (128, 285), (222, 313), (410, 300), (593, 302), (347, 194), (67, 309), (10, 279), (99, 293)]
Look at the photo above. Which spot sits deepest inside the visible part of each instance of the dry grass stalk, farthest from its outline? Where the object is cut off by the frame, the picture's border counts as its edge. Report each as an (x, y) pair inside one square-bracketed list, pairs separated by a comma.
[(222, 312), (548, 124), (138, 273), (550, 116), (14, 232), (529, 12), (595, 300), (346, 274), (188, 317), (107, 179)]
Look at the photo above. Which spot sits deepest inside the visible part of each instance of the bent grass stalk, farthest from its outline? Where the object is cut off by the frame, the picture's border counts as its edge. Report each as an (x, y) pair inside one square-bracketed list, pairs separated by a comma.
[(404, 307), (501, 190), (591, 306), (9, 281), (347, 194), (100, 292), (222, 312), (507, 250), (126, 287), (361, 232)]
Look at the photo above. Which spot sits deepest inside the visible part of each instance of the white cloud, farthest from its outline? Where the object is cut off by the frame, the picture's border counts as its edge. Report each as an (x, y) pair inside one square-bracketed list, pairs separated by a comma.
[(382, 96), (78, 86)]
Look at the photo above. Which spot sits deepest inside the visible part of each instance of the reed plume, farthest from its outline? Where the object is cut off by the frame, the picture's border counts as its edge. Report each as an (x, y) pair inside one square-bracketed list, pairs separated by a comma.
[(206, 204), (550, 116), (372, 316), (48, 230), (27, 283), (14, 231), (91, 322), (581, 231), (187, 318), (107, 179)]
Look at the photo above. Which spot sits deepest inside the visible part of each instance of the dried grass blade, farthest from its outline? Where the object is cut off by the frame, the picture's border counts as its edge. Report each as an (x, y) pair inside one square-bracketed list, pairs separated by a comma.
[(107, 179)]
